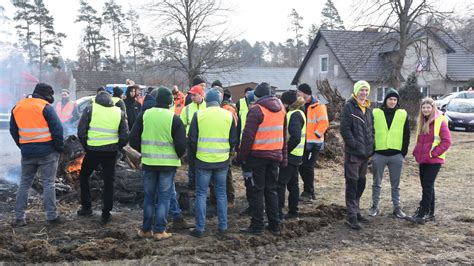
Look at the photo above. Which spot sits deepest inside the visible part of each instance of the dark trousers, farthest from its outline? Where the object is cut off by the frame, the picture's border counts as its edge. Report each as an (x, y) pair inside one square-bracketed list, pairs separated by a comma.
[(355, 170), (428, 173), (264, 176), (191, 171), (288, 179), (306, 170), (91, 160)]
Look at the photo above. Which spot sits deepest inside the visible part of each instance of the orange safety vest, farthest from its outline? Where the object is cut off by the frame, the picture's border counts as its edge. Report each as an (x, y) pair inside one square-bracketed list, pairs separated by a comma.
[(270, 132), (179, 103), (32, 126), (232, 110), (317, 123), (65, 113)]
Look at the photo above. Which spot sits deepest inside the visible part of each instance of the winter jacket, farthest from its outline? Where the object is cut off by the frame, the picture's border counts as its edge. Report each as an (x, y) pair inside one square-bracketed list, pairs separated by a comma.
[(193, 136), (295, 127), (357, 130), (40, 149), (133, 108), (178, 133), (254, 119), (424, 142), (148, 103), (389, 114), (83, 127)]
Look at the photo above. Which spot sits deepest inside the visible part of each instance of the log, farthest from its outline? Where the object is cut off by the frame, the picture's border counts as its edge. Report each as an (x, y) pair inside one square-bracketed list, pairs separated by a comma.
[(132, 157)]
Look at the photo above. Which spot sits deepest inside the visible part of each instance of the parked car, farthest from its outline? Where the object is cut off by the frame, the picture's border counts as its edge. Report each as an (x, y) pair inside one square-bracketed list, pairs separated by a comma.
[(460, 114), (444, 100)]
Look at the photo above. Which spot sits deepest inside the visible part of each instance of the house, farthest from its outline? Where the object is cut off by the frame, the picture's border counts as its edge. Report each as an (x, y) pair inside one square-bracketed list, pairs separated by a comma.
[(86, 83), (238, 79), (441, 62)]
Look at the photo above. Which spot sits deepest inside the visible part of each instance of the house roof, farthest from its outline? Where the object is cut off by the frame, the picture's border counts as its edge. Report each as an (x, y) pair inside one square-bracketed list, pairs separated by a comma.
[(91, 80), (359, 53), (279, 77)]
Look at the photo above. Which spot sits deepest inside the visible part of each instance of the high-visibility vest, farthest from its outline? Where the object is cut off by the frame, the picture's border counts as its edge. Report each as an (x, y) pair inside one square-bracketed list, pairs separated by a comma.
[(386, 138), (156, 139), (214, 125), (179, 103), (104, 125), (317, 123), (115, 100), (65, 113), (270, 132), (32, 126), (188, 113), (298, 151), (243, 111), (437, 128)]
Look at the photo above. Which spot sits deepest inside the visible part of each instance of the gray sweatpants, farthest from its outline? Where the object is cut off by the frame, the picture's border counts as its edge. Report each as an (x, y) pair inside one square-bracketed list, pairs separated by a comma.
[(394, 164), (46, 166)]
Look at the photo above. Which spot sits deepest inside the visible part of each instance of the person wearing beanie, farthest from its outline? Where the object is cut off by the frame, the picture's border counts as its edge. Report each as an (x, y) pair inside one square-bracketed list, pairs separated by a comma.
[(317, 123), (216, 83), (159, 163), (198, 103), (68, 113), (102, 131), (392, 137), (37, 131), (263, 149), (358, 134), (288, 176), (210, 146)]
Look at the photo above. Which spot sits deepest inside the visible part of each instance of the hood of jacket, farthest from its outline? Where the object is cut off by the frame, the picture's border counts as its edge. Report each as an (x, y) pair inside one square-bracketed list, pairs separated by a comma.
[(297, 104), (104, 99), (271, 103)]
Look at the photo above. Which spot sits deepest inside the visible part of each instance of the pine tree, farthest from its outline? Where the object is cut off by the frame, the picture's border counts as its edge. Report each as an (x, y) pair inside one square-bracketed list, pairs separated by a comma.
[(410, 97), (113, 16), (313, 30), (93, 41), (296, 27), (142, 47), (331, 19)]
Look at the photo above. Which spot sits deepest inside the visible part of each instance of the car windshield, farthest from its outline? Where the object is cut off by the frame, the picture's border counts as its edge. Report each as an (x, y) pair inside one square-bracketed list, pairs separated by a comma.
[(461, 107), (445, 96)]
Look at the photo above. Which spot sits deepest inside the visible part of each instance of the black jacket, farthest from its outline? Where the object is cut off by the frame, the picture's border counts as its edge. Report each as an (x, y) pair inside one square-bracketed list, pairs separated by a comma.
[(133, 108), (357, 130), (40, 149), (193, 136), (389, 114), (178, 133), (103, 99), (295, 127)]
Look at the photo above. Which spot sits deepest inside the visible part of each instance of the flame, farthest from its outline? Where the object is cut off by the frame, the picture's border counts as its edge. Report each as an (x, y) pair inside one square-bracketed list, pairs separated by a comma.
[(75, 166)]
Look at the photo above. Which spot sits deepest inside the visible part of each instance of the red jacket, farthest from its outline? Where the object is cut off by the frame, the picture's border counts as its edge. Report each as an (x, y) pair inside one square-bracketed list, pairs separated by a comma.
[(254, 119), (424, 142)]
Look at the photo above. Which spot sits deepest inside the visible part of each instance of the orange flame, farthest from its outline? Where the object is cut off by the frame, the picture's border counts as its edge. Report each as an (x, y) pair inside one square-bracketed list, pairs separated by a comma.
[(75, 166)]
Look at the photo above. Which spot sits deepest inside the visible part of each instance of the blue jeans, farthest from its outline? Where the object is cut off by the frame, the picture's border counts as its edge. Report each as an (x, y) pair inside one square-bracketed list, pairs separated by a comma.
[(157, 186), (203, 177), (175, 209)]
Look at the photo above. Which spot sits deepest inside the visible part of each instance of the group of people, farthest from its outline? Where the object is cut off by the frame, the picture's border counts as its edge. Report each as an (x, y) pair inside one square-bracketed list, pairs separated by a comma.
[(274, 139)]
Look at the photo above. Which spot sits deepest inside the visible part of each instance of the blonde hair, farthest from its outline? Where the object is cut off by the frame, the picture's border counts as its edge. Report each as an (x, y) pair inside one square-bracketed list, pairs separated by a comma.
[(424, 124)]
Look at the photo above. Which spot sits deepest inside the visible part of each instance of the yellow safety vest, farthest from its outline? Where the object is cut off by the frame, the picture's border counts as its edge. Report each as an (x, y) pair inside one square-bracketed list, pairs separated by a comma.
[(389, 138), (104, 125), (298, 151), (437, 128), (243, 111), (188, 113)]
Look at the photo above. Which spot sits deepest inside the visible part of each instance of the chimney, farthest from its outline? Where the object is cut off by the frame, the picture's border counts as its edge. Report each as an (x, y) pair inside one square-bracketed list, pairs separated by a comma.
[(371, 29)]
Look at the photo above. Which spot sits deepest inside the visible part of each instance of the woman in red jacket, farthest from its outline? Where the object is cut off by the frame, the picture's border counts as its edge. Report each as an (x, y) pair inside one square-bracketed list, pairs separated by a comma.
[(432, 141)]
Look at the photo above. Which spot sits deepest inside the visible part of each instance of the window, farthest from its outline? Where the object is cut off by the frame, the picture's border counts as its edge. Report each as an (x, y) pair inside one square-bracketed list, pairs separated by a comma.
[(381, 94), (425, 91), (323, 63), (458, 89)]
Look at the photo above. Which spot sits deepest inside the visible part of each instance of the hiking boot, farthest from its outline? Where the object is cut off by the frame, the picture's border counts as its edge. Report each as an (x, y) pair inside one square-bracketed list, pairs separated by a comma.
[(196, 233), (306, 197), (374, 210), (397, 212), (245, 212), (417, 218), (161, 236), (251, 231), (430, 217), (106, 218), (180, 223), (19, 223), (144, 234), (84, 212), (353, 223), (362, 219), (56, 221)]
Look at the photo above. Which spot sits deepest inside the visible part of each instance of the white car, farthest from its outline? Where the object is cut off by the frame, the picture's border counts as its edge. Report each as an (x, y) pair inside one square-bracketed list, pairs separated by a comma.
[(444, 100)]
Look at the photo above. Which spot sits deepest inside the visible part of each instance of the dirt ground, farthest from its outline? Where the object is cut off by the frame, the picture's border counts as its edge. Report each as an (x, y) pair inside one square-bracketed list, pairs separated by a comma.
[(320, 236)]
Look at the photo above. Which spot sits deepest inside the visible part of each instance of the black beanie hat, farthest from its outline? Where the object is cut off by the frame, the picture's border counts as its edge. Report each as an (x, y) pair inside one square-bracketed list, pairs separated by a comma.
[(227, 94), (117, 92), (263, 89), (216, 83), (305, 88), (45, 91), (288, 97), (164, 97), (197, 80), (391, 92)]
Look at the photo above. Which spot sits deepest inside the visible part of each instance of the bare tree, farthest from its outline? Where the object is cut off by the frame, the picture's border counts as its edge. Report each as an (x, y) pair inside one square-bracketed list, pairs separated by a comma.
[(195, 25)]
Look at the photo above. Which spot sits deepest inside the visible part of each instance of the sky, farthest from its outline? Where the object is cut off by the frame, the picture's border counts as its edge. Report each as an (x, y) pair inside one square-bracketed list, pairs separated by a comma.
[(253, 20)]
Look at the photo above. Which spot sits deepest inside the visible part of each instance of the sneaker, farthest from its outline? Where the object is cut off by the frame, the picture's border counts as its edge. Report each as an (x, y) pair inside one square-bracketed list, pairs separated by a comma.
[(362, 219), (84, 212), (251, 231), (374, 211), (397, 212), (106, 218), (417, 218), (430, 217), (180, 223), (161, 236), (353, 223), (19, 223), (196, 233), (56, 221), (144, 234)]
